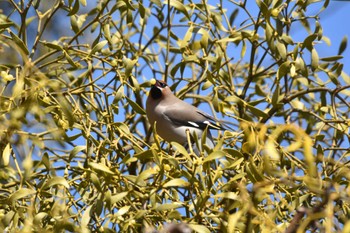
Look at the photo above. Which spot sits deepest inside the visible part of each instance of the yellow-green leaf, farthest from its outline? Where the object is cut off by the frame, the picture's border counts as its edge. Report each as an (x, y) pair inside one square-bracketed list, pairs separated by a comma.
[(75, 151), (6, 25), (135, 106), (228, 195), (314, 59), (180, 7), (22, 193), (281, 49), (6, 155), (169, 206), (56, 181), (129, 65), (123, 210), (185, 41), (82, 2), (39, 218), (75, 8), (98, 46), (86, 217), (332, 58), (343, 45), (53, 45), (308, 42), (145, 155), (176, 183), (20, 43), (100, 167), (179, 148), (118, 197), (199, 228), (144, 175), (214, 155), (283, 69)]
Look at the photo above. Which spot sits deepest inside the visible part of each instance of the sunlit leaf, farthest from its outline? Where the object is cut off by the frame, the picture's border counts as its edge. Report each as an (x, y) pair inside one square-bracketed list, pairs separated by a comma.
[(214, 155), (180, 7), (176, 183), (145, 155), (70, 59), (257, 112), (308, 42), (8, 218), (5, 157), (86, 217), (282, 51), (283, 69), (314, 59), (40, 217), (75, 151), (157, 2), (135, 106), (199, 228), (21, 193), (99, 46), (180, 148), (168, 206), (82, 2), (229, 195), (56, 181), (53, 45), (123, 210), (4, 25), (129, 65), (100, 167), (144, 175), (118, 197), (19, 43), (185, 41), (75, 8)]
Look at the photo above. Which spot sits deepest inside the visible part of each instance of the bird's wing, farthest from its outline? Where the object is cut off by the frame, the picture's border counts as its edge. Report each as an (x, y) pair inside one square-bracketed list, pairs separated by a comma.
[(190, 116), (212, 122)]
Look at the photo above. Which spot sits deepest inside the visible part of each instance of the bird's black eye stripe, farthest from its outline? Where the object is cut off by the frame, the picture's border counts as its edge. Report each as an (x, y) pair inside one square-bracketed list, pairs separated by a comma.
[(161, 84)]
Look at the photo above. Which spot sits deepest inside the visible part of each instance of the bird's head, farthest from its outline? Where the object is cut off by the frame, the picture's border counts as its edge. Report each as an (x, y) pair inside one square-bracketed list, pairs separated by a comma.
[(159, 89)]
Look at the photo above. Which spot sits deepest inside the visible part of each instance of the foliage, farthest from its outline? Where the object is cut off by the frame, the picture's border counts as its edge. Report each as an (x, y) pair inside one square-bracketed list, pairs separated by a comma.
[(77, 153)]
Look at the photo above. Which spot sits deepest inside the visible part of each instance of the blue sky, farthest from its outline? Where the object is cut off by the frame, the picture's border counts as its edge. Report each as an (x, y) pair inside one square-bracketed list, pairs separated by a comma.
[(336, 25)]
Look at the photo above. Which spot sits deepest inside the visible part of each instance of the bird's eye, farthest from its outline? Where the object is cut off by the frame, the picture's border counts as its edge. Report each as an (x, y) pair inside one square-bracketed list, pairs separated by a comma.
[(162, 85)]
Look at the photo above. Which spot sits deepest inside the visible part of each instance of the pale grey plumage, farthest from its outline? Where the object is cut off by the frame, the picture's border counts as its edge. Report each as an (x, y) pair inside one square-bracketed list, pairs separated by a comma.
[(173, 116)]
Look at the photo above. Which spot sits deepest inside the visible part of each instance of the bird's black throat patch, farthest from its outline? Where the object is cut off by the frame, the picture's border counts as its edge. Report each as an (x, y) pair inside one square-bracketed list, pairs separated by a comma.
[(155, 92)]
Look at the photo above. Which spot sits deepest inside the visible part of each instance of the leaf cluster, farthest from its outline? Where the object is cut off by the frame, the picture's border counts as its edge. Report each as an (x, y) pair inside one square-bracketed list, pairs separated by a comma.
[(77, 152)]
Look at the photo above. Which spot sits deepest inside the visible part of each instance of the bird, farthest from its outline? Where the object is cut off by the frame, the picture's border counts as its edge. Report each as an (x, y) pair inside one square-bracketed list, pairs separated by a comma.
[(173, 116)]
